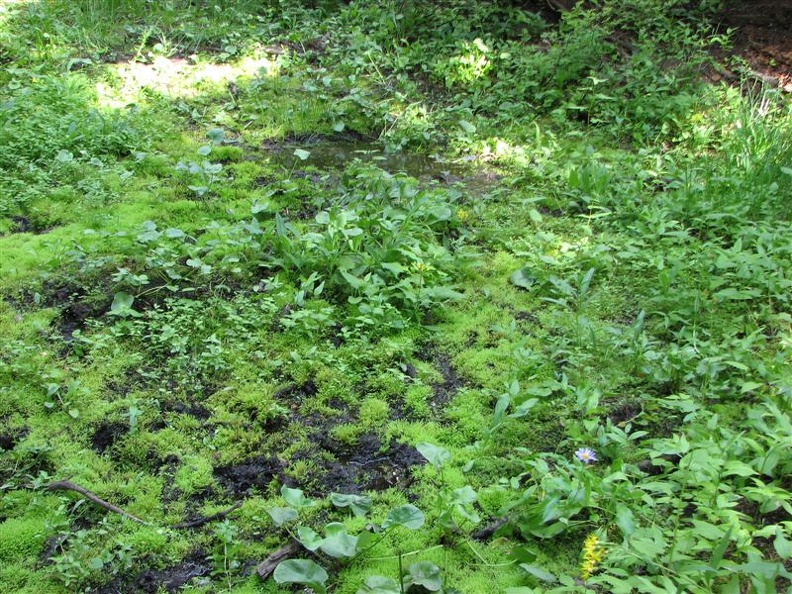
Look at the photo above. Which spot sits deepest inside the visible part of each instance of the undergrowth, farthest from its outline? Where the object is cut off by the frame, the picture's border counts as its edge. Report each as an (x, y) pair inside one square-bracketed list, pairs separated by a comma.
[(552, 358)]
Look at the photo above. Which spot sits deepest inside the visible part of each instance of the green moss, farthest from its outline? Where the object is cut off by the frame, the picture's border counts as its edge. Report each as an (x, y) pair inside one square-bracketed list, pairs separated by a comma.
[(373, 413), (194, 475), (347, 433), (22, 538)]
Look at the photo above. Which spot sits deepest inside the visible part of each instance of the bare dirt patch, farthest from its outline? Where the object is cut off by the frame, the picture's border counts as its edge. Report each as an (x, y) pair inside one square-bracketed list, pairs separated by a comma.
[(762, 37)]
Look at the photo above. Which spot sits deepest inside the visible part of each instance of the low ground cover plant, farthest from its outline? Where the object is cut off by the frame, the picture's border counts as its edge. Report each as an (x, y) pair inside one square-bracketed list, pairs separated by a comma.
[(529, 332)]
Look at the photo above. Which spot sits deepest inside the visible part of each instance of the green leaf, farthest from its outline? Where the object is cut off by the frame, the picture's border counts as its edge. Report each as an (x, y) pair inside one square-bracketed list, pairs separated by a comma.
[(296, 498), (377, 584), (720, 549), (523, 278), (359, 504), (215, 135), (122, 305), (523, 554), (535, 216), (524, 408), (173, 233), (437, 456), (309, 538), (339, 126), (462, 495), (281, 515), (302, 154), (352, 280), (782, 546), (406, 515), (204, 150), (539, 573), (424, 574), (338, 543), (467, 127), (625, 521), (301, 571)]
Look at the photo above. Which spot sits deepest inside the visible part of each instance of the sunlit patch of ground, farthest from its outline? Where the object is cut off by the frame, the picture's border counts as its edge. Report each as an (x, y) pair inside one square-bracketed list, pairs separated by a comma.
[(177, 77)]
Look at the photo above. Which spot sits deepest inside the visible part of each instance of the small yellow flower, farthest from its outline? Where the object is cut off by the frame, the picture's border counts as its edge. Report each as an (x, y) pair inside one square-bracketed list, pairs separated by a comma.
[(463, 214), (593, 553), (420, 267)]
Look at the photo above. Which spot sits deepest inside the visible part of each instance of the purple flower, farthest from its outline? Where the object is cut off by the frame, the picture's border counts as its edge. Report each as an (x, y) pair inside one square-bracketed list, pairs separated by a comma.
[(586, 455)]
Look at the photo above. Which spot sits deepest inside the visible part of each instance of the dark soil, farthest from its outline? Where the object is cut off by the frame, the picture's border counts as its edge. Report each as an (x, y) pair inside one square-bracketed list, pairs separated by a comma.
[(254, 473), (107, 434), (364, 467), (762, 37), (151, 581), (189, 408)]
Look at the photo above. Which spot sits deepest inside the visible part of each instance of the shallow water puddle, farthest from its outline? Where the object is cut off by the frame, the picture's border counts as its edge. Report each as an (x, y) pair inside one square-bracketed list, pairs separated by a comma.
[(337, 154)]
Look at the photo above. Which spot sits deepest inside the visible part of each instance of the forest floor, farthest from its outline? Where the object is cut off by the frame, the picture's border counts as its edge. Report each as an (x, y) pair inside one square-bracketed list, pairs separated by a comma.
[(380, 298)]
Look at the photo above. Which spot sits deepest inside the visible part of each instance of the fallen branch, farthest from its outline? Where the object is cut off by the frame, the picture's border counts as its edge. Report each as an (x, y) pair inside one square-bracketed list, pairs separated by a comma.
[(266, 567), (201, 521), (490, 529), (70, 486)]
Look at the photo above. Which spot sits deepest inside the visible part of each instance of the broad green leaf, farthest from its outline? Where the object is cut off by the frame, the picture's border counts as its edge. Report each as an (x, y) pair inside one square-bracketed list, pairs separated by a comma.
[(301, 571), (204, 150), (625, 521), (122, 305), (437, 456), (424, 574), (309, 538), (406, 515), (782, 546), (467, 126), (524, 408), (215, 135), (377, 584), (338, 543), (523, 554), (462, 495), (352, 280), (296, 498), (281, 515), (523, 278), (302, 154), (359, 504), (173, 233)]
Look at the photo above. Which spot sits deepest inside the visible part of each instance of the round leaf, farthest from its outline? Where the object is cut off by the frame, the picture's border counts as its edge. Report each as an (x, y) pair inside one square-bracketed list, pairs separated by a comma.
[(301, 571), (281, 515), (424, 574), (407, 515)]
